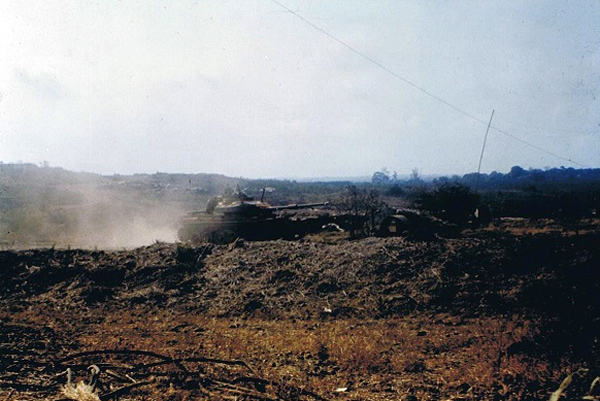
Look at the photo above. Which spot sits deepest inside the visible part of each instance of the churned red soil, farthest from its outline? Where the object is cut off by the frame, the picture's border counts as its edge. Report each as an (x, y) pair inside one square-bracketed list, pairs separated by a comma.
[(488, 315)]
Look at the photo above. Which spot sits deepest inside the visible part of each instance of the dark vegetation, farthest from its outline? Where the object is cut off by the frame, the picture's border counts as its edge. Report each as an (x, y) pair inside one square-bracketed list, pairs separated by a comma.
[(553, 193), (43, 206)]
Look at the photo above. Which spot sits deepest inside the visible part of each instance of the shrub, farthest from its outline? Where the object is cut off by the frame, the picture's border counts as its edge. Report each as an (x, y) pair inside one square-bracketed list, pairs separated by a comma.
[(454, 203)]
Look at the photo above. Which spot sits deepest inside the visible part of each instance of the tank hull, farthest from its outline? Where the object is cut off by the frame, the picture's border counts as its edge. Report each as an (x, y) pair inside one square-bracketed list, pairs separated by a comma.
[(222, 229)]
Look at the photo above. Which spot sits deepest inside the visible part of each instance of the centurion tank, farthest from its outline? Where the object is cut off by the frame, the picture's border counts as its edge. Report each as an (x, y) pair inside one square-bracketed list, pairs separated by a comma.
[(237, 215)]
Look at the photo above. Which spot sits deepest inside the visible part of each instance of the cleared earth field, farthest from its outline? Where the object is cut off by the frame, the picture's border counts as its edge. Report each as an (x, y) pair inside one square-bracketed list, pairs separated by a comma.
[(492, 314)]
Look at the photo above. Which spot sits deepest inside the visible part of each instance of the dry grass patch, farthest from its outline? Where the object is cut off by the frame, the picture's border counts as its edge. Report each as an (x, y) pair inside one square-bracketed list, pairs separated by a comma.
[(429, 356)]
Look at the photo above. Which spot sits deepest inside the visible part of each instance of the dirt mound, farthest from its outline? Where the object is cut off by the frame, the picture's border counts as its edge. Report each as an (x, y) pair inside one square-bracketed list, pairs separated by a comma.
[(400, 307), (485, 273)]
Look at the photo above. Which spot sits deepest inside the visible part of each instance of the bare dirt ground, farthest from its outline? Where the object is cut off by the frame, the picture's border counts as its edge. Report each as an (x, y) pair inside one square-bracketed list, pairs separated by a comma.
[(494, 314)]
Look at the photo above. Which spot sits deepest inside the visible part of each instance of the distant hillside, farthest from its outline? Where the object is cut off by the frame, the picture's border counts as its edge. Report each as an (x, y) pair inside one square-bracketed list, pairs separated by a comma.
[(45, 206)]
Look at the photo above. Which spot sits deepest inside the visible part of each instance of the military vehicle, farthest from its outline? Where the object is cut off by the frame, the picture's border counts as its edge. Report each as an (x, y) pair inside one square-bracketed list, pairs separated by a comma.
[(236, 215), (413, 223)]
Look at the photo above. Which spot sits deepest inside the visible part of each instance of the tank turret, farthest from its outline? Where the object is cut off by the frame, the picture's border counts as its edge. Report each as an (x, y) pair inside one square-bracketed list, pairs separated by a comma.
[(231, 216)]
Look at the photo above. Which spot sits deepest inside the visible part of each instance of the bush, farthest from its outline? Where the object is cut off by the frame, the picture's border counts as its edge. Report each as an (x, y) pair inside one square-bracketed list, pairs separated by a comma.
[(454, 203), (362, 208)]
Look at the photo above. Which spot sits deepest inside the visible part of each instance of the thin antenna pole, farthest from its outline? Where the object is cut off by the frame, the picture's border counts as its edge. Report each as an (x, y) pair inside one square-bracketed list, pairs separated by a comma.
[(482, 150)]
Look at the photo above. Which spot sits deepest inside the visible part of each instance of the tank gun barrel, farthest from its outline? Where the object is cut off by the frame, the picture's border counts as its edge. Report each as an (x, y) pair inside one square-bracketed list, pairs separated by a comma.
[(298, 206)]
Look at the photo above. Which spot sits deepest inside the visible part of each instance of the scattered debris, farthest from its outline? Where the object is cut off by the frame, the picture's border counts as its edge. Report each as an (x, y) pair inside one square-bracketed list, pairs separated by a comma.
[(552, 279), (116, 372)]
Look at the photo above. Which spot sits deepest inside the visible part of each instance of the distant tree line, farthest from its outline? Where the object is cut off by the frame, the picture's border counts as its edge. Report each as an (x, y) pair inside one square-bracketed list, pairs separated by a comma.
[(557, 192), (531, 179), (516, 178)]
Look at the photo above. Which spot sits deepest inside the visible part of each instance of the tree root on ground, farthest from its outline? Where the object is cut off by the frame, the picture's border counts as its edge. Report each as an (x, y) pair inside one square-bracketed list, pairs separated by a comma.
[(211, 377)]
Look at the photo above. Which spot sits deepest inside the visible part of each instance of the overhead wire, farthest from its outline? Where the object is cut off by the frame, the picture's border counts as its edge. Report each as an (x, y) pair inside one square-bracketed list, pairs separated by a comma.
[(547, 129), (421, 89)]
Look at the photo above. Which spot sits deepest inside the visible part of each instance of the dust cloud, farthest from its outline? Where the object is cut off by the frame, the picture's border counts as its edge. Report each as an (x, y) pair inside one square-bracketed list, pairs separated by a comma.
[(125, 224), (56, 208)]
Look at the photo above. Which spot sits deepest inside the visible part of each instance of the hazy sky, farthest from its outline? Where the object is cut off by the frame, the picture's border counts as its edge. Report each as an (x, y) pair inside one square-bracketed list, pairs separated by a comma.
[(247, 88)]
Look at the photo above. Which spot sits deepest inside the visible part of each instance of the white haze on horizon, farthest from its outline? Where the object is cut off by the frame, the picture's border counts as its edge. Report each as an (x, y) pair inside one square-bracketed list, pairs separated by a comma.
[(245, 88)]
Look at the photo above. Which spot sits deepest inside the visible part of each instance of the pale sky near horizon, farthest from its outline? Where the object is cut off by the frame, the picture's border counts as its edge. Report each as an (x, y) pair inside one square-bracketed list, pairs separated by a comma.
[(247, 88)]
